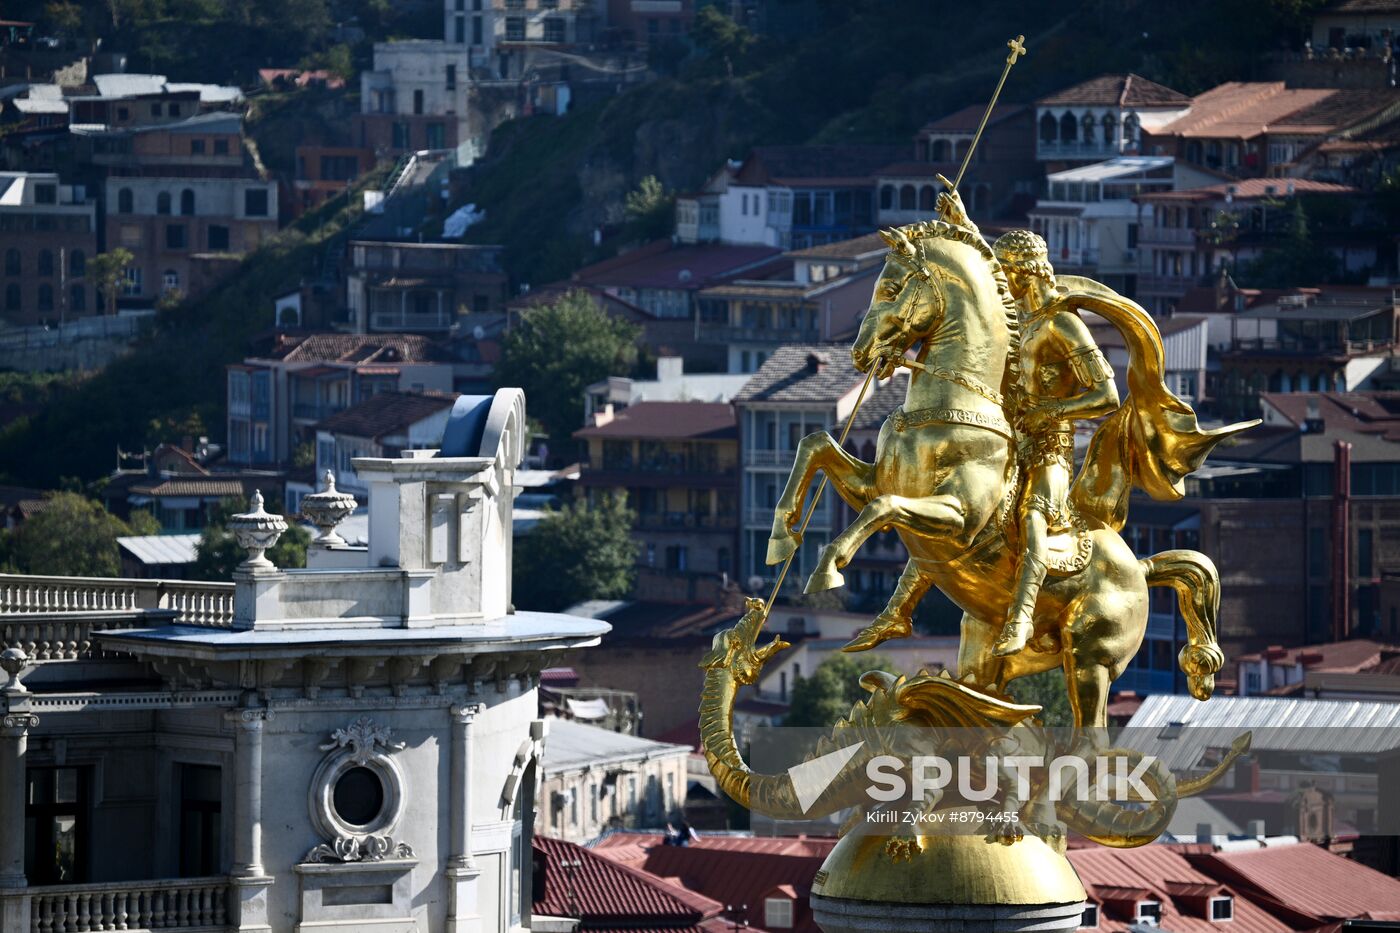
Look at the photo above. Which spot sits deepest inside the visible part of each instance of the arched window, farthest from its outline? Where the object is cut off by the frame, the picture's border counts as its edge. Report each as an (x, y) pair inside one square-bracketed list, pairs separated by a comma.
[(12, 297), (980, 196), (77, 298), (187, 202), (926, 197), (1130, 128), (1069, 128), (960, 150), (46, 262), (12, 261), (1088, 127), (1049, 129), (908, 199), (1110, 129), (46, 297), (171, 280), (163, 203), (886, 197), (126, 201), (939, 153), (77, 263)]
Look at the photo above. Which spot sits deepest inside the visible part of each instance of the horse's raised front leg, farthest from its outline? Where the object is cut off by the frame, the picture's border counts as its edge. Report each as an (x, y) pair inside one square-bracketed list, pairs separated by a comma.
[(853, 480), (928, 516)]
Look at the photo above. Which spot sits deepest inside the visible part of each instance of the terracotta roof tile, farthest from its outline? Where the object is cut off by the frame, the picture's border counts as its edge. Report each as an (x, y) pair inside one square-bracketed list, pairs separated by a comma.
[(803, 372), (843, 249), (815, 164), (386, 413), (1309, 880), (675, 267), (967, 119), (669, 420), (572, 881), (1126, 90), (360, 348), (193, 486)]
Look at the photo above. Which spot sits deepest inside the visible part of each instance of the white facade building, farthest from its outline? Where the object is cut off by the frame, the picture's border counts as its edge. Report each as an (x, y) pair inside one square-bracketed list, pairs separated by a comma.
[(347, 747)]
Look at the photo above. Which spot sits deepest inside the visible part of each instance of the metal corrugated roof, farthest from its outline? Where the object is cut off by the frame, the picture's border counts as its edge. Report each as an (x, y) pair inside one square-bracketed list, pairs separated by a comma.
[(572, 745), (154, 550), (1358, 727)]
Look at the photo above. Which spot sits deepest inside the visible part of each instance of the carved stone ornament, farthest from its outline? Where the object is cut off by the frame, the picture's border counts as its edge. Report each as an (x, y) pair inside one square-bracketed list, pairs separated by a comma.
[(12, 662), (360, 754), (327, 509), (256, 532)]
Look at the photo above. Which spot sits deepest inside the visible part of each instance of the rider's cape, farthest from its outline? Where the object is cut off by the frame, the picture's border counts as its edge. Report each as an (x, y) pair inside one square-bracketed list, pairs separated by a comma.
[(1153, 440)]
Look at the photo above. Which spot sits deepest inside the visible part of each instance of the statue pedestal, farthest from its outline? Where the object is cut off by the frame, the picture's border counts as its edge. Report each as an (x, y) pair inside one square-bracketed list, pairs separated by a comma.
[(957, 883)]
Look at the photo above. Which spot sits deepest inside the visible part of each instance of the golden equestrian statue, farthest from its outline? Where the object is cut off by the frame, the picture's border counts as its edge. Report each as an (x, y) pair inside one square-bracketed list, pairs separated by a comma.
[(975, 472)]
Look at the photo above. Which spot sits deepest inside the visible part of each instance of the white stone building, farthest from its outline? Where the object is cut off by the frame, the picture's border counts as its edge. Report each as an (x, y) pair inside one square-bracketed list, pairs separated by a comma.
[(348, 747), (1103, 117)]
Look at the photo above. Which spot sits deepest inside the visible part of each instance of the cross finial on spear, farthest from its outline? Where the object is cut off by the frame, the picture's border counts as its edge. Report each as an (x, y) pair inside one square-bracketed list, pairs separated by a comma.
[(1018, 48)]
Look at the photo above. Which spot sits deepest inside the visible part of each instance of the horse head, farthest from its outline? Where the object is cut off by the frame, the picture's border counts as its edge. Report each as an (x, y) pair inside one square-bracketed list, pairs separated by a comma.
[(934, 271)]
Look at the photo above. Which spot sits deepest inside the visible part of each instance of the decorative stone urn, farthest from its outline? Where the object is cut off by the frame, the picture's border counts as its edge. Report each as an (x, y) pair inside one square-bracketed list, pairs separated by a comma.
[(327, 509), (256, 531), (12, 662)]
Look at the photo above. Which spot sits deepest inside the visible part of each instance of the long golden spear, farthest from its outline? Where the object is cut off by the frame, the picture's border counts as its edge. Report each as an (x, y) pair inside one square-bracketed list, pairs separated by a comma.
[(1018, 48)]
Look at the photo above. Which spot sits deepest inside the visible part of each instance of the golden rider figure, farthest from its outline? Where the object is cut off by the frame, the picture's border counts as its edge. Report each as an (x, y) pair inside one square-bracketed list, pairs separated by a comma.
[(1064, 378)]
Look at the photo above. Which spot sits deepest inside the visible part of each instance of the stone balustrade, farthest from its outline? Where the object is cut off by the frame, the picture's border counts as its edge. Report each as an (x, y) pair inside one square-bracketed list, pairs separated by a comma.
[(58, 636), (195, 603), (188, 905)]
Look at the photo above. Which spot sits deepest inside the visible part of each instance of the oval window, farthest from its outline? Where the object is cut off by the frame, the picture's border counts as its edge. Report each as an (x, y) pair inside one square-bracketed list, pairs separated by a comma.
[(359, 796)]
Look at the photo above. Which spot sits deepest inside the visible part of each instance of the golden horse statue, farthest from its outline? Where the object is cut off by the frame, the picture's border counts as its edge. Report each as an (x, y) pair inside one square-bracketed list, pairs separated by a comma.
[(945, 479)]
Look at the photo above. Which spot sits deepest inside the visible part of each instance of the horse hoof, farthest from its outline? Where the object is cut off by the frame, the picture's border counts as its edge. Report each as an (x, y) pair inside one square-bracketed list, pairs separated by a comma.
[(781, 548), (825, 577), (883, 629)]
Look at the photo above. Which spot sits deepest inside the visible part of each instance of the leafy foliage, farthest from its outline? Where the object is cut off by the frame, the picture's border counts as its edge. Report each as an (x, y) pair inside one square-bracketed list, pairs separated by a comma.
[(107, 271), (556, 351), (72, 536), (1296, 260), (1046, 689), (218, 553), (832, 689), (576, 553), (650, 209)]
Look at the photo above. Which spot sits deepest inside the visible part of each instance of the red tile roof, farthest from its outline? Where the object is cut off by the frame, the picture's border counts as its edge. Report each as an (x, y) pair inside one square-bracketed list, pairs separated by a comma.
[(733, 869), (1117, 878), (1308, 880), (359, 348), (668, 421), (967, 119), (661, 265), (815, 165), (1350, 656), (1246, 189), (571, 881), (1127, 90), (386, 413)]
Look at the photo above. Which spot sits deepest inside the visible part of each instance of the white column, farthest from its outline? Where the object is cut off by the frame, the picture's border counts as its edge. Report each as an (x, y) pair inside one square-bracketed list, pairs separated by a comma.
[(461, 871), (14, 899), (250, 909), (14, 740)]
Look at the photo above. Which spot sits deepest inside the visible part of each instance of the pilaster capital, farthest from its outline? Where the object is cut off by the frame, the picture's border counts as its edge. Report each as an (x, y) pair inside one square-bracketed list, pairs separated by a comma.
[(465, 713), (250, 719), (18, 723)]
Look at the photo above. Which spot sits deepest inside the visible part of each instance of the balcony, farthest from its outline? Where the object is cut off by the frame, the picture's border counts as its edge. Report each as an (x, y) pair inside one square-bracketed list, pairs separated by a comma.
[(1185, 236), (684, 521), (1172, 285), (727, 333), (410, 321), (1074, 149), (187, 904), (679, 473), (762, 517), (208, 604), (762, 457), (313, 411)]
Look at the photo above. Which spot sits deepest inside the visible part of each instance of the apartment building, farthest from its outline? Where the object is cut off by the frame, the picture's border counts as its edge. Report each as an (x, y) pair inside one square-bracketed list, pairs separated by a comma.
[(48, 232), (421, 287), (1102, 118)]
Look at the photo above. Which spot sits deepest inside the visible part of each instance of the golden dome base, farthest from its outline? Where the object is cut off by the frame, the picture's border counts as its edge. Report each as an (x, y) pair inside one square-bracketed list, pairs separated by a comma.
[(962, 883)]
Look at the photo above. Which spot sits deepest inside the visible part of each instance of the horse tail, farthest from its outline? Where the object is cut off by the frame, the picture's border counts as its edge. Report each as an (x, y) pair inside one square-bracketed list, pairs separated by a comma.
[(1197, 584)]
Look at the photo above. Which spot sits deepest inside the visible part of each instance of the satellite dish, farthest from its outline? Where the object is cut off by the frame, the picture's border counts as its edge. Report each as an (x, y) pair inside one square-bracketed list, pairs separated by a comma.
[(755, 584), (479, 332), (684, 275)]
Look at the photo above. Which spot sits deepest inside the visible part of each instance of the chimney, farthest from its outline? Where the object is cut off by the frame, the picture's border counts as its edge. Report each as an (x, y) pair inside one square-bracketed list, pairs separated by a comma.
[(1203, 833), (1313, 423), (669, 368), (1341, 541), (1255, 828), (816, 362), (1247, 775)]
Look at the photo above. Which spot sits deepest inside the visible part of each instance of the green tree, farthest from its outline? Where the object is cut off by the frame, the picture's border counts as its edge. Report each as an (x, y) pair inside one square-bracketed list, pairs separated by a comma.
[(832, 689), (218, 553), (1296, 260), (73, 536), (107, 271), (576, 553), (650, 210), (1046, 690), (556, 351), (142, 522), (725, 40)]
